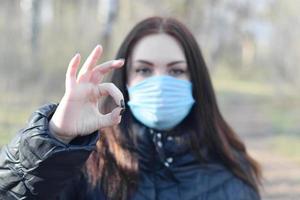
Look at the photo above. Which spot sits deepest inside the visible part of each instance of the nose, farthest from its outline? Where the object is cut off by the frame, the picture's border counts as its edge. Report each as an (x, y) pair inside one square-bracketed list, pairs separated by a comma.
[(160, 71)]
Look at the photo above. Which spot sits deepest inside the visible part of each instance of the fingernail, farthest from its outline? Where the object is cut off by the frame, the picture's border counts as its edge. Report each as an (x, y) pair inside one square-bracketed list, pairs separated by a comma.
[(122, 111), (117, 62), (98, 47), (122, 104)]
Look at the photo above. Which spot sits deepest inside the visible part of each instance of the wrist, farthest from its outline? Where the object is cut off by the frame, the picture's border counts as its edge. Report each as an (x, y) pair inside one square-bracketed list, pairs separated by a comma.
[(55, 133)]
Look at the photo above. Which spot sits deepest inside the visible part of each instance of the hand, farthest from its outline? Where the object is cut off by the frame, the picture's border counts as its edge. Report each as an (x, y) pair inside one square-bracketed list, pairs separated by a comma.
[(78, 113)]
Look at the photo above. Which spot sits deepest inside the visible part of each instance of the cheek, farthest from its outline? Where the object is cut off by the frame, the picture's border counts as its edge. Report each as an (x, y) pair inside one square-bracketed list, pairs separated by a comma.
[(133, 80), (186, 77)]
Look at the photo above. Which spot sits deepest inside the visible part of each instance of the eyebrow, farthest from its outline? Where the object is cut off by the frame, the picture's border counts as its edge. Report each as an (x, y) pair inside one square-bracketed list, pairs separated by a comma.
[(168, 65)]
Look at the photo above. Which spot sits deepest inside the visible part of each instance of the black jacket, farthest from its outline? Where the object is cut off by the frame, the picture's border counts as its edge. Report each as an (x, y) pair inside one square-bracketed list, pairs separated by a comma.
[(35, 165)]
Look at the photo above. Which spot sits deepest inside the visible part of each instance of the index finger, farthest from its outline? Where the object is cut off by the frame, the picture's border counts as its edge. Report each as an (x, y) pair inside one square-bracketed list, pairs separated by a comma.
[(100, 70), (112, 90)]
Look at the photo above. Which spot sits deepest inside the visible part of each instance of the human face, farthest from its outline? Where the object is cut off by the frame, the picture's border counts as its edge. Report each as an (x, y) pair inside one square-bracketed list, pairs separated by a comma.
[(155, 55)]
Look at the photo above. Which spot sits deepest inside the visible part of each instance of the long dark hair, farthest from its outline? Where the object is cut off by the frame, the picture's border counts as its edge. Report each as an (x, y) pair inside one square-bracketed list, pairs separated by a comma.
[(114, 164)]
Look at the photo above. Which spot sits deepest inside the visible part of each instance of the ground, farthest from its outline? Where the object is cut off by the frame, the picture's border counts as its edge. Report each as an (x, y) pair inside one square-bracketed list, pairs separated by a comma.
[(281, 174)]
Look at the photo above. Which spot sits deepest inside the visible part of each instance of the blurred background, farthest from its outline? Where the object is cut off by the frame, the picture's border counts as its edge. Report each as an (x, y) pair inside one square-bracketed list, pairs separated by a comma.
[(252, 49)]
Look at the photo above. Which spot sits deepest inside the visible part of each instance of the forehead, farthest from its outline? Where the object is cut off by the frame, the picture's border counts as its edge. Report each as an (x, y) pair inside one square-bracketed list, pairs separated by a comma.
[(158, 47)]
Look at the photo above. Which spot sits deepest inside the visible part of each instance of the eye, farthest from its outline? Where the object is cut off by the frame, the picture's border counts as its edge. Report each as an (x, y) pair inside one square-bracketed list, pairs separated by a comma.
[(144, 71), (177, 72)]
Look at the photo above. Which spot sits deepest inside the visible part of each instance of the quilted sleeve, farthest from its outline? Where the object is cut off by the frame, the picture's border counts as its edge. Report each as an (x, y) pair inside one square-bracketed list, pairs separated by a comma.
[(35, 165)]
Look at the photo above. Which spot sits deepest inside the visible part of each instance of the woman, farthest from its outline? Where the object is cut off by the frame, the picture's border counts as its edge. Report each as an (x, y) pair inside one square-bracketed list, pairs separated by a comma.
[(171, 142)]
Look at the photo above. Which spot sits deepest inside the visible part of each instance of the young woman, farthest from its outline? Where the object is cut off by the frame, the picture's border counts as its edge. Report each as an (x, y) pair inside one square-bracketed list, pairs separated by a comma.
[(171, 141)]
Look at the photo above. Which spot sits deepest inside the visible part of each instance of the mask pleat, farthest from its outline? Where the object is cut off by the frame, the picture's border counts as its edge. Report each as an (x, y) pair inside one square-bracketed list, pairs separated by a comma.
[(161, 102)]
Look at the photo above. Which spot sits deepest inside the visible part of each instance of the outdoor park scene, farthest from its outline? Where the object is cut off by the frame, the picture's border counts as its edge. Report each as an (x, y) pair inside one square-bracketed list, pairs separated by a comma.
[(252, 50)]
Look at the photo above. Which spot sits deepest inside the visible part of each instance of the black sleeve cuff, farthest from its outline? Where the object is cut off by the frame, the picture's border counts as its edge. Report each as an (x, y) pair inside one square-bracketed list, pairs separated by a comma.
[(45, 163)]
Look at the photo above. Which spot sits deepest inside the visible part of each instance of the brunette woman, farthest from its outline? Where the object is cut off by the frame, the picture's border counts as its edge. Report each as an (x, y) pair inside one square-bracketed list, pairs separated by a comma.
[(153, 132)]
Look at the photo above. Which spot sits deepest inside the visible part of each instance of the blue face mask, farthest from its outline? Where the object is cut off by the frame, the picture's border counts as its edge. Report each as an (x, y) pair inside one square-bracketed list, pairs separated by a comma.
[(161, 102)]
